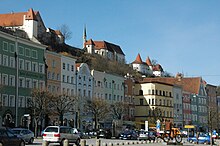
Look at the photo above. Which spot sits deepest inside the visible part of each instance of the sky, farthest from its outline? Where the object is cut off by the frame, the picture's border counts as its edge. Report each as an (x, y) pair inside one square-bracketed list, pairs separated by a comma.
[(181, 35)]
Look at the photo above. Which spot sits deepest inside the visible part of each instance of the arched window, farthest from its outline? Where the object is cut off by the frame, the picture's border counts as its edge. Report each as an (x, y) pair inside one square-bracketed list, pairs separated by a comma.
[(140, 92)]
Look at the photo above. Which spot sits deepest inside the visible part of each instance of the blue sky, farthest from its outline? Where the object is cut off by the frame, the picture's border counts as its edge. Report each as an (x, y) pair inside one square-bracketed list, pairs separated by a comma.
[(182, 35)]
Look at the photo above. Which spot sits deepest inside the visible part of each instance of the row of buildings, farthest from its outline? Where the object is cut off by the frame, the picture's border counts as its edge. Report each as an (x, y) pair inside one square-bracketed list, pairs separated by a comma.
[(33, 56)]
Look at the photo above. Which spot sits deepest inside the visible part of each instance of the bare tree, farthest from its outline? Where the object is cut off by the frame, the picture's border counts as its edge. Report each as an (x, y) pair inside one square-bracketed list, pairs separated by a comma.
[(62, 104), (65, 30), (98, 108), (155, 114), (39, 106), (118, 109)]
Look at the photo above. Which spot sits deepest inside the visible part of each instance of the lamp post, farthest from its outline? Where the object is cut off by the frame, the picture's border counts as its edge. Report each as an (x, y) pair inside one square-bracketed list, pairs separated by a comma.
[(16, 83)]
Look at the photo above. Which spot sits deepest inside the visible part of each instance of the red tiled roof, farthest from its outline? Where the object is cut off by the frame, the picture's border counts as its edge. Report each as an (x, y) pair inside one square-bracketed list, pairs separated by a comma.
[(138, 59), (106, 45), (16, 19), (191, 84), (89, 42), (148, 61)]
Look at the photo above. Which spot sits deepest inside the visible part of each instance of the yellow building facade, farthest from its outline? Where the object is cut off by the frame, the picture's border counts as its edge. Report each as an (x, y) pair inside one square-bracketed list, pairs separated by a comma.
[(153, 102)]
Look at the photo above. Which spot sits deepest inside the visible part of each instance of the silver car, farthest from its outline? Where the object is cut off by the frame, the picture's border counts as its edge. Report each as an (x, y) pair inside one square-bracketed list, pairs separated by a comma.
[(57, 134), (25, 134)]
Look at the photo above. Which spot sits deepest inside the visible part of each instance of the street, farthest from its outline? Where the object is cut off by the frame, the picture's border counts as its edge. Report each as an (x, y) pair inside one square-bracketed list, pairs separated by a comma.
[(92, 142)]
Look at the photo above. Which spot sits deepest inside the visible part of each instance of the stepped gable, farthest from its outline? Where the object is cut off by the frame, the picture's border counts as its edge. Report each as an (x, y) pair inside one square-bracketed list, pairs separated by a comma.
[(191, 84), (16, 19), (148, 61), (138, 60)]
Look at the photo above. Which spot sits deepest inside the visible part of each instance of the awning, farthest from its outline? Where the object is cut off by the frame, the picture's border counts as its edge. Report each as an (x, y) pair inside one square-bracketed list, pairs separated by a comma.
[(189, 126)]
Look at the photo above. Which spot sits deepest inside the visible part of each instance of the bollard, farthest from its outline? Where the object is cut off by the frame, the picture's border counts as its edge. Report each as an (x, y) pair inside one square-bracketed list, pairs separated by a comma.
[(66, 142), (98, 142), (83, 142), (45, 143)]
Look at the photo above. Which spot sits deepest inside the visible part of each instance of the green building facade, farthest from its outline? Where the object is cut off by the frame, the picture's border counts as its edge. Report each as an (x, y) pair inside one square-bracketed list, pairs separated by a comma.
[(22, 68)]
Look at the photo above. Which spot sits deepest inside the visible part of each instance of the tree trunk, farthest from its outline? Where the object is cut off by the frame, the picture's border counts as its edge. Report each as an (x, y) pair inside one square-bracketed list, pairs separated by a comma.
[(61, 119), (96, 125), (35, 127)]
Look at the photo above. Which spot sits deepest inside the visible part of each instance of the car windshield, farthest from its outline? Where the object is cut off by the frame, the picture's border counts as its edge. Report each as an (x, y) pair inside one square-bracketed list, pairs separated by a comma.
[(51, 129)]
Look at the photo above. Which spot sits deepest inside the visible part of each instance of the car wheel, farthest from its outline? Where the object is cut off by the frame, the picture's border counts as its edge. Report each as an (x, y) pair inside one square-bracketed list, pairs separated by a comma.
[(22, 143), (77, 142), (31, 140)]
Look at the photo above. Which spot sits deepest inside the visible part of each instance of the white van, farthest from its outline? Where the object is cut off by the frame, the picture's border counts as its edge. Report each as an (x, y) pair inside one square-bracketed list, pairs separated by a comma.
[(57, 134)]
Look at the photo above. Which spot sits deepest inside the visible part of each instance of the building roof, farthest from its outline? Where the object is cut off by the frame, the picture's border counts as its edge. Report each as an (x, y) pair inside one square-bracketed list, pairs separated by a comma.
[(191, 84), (138, 60), (105, 45), (16, 19), (148, 61)]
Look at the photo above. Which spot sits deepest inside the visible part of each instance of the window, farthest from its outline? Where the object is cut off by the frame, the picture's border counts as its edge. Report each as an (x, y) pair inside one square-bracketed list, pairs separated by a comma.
[(27, 52), (58, 77), (21, 50), (34, 54), (72, 80), (21, 82), (41, 68), (12, 48), (5, 46), (4, 79), (5, 60), (64, 66), (68, 67), (28, 83), (21, 64), (67, 79), (63, 78), (34, 67), (11, 101), (35, 83), (20, 101), (53, 63), (11, 80), (141, 101), (53, 76), (72, 68), (4, 100), (12, 62), (28, 65)]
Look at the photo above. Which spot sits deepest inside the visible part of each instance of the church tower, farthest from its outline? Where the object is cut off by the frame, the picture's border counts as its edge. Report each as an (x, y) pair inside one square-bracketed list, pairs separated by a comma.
[(84, 37)]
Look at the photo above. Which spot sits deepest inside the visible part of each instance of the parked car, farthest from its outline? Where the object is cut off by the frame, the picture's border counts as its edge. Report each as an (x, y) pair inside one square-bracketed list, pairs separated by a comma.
[(57, 134), (25, 134), (129, 134), (8, 138), (146, 135), (102, 133), (204, 138)]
